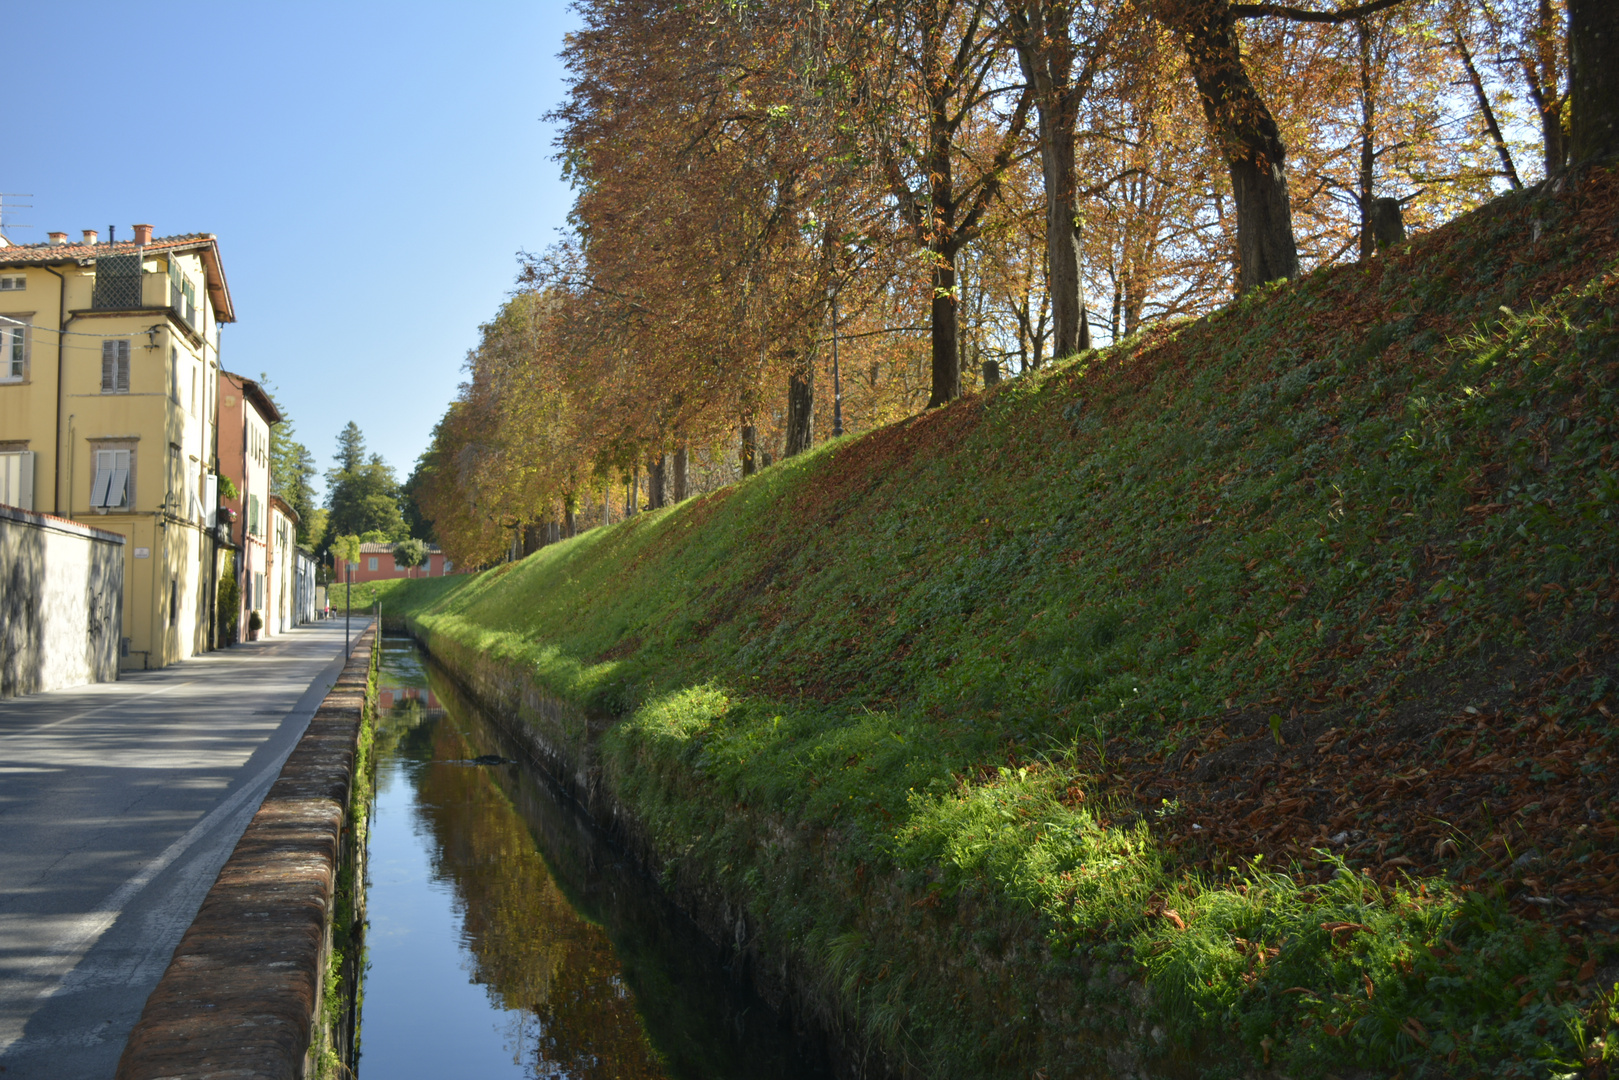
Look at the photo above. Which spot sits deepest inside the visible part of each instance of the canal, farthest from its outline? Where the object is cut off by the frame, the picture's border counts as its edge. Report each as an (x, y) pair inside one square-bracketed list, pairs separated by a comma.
[(508, 938)]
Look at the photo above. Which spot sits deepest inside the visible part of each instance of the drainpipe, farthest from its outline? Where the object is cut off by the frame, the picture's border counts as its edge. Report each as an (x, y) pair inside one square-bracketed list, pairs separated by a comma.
[(61, 334)]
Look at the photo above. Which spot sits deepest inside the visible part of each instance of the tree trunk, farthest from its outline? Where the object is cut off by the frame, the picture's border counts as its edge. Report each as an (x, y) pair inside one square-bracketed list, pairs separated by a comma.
[(1490, 125), (1385, 223), (800, 411), (1247, 137), (1593, 46), (680, 473), (1045, 50), (657, 474), (607, 506), (570, 521), (750, 450), (1368, 156), (632, 494), (946, 365), (1544, 88), (992, 373), (532, 537)]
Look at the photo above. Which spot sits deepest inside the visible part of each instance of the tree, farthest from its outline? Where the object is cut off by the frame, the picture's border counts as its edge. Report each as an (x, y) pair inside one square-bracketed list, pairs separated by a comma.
[(362, 494), (345, 550), (410, 553), (1593, 37), (350, 450), (292, 470), (932, 81), (1042, 34)]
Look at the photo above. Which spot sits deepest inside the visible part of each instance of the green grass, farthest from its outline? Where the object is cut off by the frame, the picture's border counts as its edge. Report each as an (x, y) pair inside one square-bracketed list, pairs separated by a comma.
[(901, 698)]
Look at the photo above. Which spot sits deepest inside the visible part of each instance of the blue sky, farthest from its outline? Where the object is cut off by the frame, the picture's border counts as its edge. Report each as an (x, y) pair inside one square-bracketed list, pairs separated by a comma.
[(371, 171)]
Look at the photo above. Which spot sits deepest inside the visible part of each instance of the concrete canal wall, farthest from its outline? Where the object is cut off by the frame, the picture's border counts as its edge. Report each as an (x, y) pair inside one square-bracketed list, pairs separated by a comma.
[(245, 995), (565, 742), (61, 603)]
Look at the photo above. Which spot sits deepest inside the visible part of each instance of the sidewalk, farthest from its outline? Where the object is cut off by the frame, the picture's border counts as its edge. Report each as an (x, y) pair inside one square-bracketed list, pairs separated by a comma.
[(119, 802)]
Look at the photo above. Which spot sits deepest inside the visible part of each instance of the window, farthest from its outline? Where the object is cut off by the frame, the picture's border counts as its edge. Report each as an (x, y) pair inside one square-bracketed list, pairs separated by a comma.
[(371, 563), (253, 514), (111, 488), (13, 352), (447, 565), (174, 374), (193, 389), (13, 284), (17, 478), (182, 294), (115, 367)]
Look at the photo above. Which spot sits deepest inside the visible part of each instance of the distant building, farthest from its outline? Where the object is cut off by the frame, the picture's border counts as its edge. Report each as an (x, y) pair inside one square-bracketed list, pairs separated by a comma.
[(281, 568), (109, 363), (245, 415), (377, 563)]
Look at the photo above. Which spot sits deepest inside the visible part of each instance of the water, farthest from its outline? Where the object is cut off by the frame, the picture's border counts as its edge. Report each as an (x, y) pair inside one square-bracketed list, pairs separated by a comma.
[(507, 938)]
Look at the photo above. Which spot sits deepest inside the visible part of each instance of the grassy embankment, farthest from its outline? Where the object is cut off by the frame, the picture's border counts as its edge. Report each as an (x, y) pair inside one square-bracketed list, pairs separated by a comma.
[(1266, 662)]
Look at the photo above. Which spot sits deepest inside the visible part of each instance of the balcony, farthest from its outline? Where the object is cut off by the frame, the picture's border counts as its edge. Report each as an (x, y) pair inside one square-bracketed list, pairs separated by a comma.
[(121, 285), (118, 283)]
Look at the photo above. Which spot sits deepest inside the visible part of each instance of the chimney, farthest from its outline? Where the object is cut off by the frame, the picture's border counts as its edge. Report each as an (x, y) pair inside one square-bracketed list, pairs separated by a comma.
[(57, 238), (143, 235), (91, 236)]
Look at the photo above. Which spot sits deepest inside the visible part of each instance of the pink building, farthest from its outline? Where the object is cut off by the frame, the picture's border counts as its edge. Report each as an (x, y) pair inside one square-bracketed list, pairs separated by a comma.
[(245, 415), (377, 563)]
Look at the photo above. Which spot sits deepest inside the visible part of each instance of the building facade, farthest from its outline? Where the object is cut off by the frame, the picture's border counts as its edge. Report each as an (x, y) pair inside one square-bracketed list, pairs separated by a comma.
[(377, 563), (245, 415), (109, 362)]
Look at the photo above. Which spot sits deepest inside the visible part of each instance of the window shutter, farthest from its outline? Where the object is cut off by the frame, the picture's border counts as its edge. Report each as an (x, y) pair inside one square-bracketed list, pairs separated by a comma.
[(109, 368), (98, 489), (123, 365)]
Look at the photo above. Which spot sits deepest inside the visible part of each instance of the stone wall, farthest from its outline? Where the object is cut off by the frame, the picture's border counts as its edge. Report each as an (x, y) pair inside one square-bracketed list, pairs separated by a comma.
[(61, 603)]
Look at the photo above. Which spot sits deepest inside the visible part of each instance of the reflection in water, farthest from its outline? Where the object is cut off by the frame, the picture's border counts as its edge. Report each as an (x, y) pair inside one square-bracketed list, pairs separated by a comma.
[(508, 939)]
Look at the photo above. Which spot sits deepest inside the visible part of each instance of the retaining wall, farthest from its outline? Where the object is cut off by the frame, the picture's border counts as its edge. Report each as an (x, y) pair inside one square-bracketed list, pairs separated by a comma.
[(242, 997), (61, 603)]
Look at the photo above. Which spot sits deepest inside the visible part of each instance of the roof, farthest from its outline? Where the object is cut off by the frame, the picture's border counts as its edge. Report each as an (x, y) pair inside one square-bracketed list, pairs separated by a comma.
[(286, 508), (255, 393), (383, 549), (205, 243)]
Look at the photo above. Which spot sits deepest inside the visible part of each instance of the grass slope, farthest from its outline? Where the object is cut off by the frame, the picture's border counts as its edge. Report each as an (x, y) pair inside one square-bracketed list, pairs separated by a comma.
[(1239, 694)]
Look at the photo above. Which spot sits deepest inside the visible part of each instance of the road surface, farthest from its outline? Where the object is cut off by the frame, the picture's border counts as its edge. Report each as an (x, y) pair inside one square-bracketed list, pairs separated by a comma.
[(119, 802)]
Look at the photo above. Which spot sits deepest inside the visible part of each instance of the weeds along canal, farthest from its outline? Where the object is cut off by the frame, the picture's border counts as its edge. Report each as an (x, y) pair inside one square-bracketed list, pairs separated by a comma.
[(508, 938)]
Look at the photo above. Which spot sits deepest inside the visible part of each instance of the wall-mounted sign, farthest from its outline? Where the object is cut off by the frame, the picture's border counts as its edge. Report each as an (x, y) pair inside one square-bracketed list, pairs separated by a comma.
[(143, 553)]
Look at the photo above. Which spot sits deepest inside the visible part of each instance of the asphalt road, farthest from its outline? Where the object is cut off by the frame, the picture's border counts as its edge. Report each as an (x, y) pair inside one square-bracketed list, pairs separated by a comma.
[(119, 802)]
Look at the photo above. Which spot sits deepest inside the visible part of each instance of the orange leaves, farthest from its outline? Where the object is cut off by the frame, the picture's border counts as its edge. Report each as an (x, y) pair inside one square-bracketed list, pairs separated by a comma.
[(1157, 910), (1341, 933)]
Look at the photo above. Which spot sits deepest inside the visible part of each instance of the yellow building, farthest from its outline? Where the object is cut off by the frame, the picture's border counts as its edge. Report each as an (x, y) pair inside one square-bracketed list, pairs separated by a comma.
[(109, 365)]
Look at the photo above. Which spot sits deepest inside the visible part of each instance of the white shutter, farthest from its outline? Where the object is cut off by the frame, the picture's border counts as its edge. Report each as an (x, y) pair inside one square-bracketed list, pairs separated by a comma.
[(118, 490), (104, 470), (17, 479)]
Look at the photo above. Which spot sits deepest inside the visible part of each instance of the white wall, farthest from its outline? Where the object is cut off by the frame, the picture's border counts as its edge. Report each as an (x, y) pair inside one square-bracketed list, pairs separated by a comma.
[(61, 603)]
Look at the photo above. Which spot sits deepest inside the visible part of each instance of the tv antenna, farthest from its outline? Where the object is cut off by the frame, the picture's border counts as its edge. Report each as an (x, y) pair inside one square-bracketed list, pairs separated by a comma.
[(4, 195)]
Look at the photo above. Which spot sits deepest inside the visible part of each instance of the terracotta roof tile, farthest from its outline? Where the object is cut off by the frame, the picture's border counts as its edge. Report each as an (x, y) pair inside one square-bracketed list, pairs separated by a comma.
[(24, 254)]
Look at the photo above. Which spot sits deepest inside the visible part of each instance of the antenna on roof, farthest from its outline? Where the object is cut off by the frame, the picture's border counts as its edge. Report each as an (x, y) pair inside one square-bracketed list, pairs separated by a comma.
[(4, 195)]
